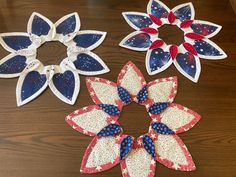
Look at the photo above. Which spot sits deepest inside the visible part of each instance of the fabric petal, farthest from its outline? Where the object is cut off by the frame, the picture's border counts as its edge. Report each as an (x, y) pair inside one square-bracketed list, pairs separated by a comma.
[(88, 63), (161, 128), (110, 109), (13, 42), (138, 41), (158, 9), (162, 90), (137, 20), (67, 27), (124, 95), (87, 39), (12, 65), (41, 26), (32, 82), (207, 49), (149, 145), (188, 64), (131, 79), (110, 130), (103, 91), (138, 163), (102, 154), (184, 12), (157, 60), (179, 118), (205, 28), (88, 120), (126, 146), (65, 83), (172, 153), (142, 95), (157, 108)]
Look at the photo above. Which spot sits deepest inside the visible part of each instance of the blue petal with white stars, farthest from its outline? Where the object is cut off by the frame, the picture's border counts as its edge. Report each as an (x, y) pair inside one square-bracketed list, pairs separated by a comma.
[(112, 110), (188, 63), (158, 108), (158, 10), (204, 48), (67, 26), (142, 95), (14, 65), (158, 59), (17, 42), (184, 13), (149, 145), (65, 83), (162, 128), (110, 130), (39, 26), (86, 40), (203, 29), (124, 95), (138, 20), (32, 83), (140, 40), (85, 62), (126, 146)]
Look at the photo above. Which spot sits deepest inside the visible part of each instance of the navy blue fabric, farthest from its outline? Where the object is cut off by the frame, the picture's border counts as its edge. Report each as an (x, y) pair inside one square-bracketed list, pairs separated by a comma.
[(110, 109), (86, 40), (139, 20), (32, 83), (187, 62), (39, 26), (85, 62), (17, 42), (142, 95), (14, 65), (124, 95), (149, 145), (162, 128), (158, 10), (141, 40), (158, 108), (65, 83), (109, 130), (203, 29), (158, 59), (204, 48), (67, 26), (126, 146), (184, 13)]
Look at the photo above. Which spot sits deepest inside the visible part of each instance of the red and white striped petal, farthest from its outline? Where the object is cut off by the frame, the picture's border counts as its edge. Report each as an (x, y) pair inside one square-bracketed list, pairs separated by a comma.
[(173, 153), (89, 120), (131, 79), (102, 154), (103, 91), (138, 164), (179, 118), (162, 90)]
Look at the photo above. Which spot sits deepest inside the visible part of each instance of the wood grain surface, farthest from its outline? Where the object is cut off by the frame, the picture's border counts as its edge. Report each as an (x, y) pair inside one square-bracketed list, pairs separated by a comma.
[(35, 141)]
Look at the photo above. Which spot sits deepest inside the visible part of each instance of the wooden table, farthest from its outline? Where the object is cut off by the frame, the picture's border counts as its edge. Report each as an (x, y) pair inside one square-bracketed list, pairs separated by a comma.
[(35, 141)]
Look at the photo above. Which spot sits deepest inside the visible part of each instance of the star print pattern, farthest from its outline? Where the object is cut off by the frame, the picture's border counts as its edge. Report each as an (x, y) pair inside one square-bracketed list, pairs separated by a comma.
[(117, 147), (160, 55), (139, 20), (64, 82)]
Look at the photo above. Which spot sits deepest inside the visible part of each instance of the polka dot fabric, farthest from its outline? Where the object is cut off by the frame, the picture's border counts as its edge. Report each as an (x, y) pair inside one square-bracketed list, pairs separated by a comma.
[(160, 55), (135, 155)]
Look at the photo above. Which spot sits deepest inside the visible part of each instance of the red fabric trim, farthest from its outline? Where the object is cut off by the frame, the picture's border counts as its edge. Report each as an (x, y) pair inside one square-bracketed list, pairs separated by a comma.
[(149, 30), (190, 48), (173, 51), (171, 17), (156, 44), (155, 20), (194, 36), (186, 24)]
